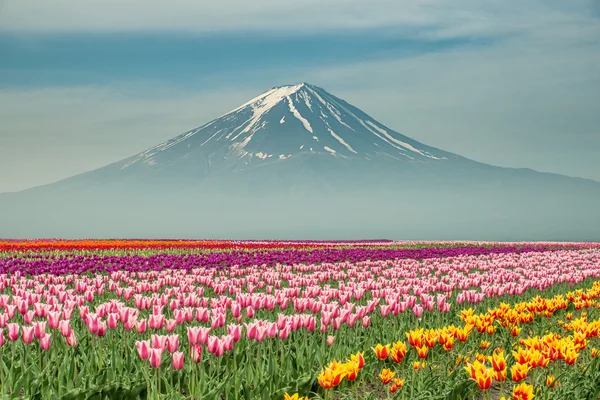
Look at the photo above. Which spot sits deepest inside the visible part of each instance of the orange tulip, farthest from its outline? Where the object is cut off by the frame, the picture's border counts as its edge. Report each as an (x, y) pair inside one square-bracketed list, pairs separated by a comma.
[(484, 378), (422, 351), (381, 351), (523, 392), (569, 316), (448, 344), (415, 337), (571, 356), (515, 330), (430, 337), (500, 376), (330, 378), (498, 360), (519, 372), (399, 382), (475, 368), (358, 357), (398, 352), (418, 364), (521, 356), (295, 396), (462, 334), (352, 369), (484, 344), (551, 381), (386, 376)]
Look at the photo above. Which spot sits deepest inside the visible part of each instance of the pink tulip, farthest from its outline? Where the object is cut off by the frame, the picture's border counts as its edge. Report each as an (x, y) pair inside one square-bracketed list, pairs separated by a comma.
[(113, 320), (172, 343), (171, 324), (71, 339), (155, 358), (193, 333), (3, 320), (10, 311), (28, 317), (213, 344), (39, 329), (177, 360), (143, 349), (53, 319), (140, 326), (130, 323), (235, 331), (65, 328), (101, 329), (92, 322), (27, 334), (159, 342), (284, 333), (196, 353), (271, 330), (330, 340), (227, 342), (45, 342), (366, 321)]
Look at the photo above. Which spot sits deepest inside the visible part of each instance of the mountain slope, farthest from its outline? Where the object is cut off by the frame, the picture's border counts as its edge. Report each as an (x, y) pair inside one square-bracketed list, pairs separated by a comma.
[(298, 162), (284, 122)]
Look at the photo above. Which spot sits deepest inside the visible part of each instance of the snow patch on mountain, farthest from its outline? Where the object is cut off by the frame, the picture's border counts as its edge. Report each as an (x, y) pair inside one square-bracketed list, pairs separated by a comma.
[(339, 139), (298, 116)]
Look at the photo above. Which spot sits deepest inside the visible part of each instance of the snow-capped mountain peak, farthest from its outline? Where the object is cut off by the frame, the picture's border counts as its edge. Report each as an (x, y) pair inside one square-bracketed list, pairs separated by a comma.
[(283, 123)]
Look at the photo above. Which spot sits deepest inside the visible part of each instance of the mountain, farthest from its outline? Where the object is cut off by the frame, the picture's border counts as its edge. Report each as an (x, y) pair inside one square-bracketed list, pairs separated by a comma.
[(297, 161)]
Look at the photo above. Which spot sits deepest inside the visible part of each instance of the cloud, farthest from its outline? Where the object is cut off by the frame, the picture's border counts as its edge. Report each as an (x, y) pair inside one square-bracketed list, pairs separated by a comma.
[(437, 18)]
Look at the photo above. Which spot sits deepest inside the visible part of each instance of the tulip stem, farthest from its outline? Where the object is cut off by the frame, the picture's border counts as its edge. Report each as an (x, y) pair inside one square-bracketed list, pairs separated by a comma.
[(13, 354), (193, 381), (236, 391), (2, 372)]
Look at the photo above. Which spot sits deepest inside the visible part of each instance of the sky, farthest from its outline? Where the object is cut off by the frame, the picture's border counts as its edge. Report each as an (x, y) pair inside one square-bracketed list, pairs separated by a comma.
[(87, 83)]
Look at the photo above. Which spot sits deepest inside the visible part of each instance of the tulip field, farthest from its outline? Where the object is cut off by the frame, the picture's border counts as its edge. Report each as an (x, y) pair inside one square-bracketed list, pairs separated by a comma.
[(181, 319)]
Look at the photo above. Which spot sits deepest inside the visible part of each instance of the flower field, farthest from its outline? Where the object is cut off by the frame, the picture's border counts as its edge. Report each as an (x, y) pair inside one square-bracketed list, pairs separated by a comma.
[(137, 319)]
